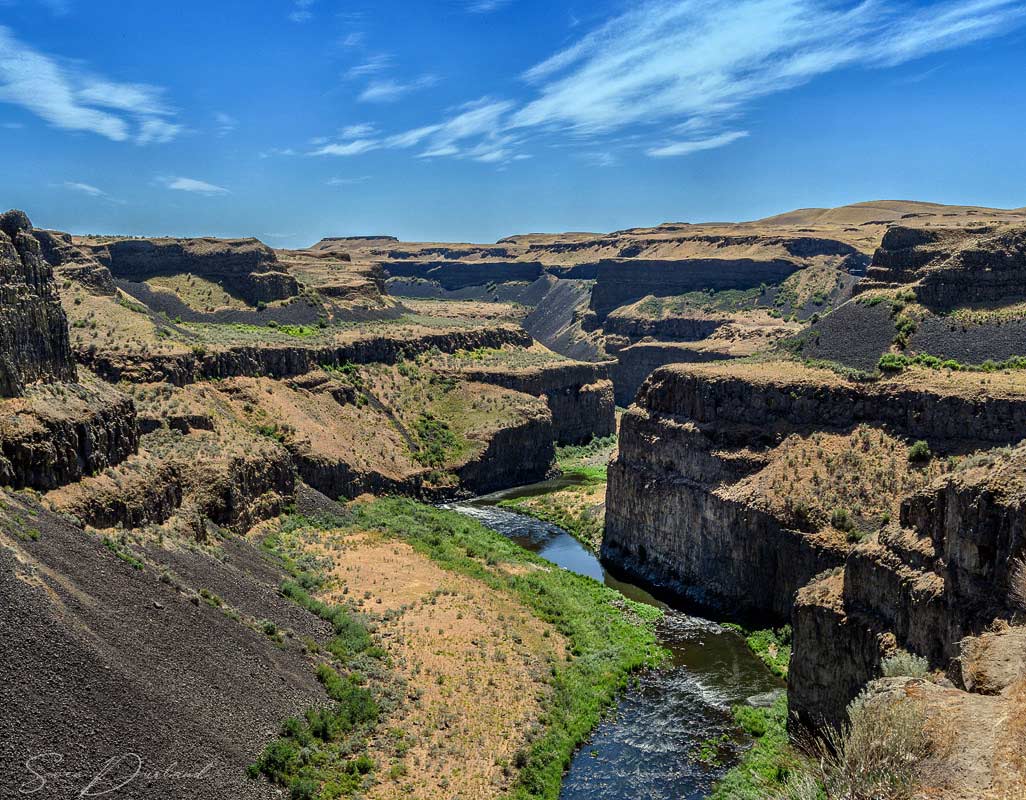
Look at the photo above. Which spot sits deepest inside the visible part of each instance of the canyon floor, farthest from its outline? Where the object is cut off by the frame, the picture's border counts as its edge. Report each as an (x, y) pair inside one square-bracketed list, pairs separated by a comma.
[(224, 567)]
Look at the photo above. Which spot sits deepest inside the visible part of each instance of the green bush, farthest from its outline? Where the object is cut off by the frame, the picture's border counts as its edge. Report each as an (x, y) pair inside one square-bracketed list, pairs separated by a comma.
[(905, 664), (841, 519), (919, 452), (436, 440)]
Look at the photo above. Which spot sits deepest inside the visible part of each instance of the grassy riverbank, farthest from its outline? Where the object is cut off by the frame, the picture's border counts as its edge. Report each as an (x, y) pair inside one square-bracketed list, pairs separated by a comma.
[(765, 767), (579, 509), (572, 641)]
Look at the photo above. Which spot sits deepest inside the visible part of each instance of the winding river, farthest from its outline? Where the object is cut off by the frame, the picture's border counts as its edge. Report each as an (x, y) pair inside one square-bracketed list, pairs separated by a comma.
[(672, 734)]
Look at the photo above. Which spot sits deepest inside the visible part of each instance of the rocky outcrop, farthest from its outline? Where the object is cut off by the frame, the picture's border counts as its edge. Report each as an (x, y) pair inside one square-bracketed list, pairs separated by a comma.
[(515, 455), (34, 343), (636, 362), (250, 268), (765, 397), (941, 574), (242, 490), (667, 524), (621, 281), (61, 433), (71, 262), (695, 431), (282, 361), (579, 396), (952, 267), (452, 275), (685, 329)]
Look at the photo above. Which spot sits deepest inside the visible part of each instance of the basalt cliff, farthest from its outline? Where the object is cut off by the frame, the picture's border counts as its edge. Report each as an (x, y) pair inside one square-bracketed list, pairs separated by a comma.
[(861, 481)]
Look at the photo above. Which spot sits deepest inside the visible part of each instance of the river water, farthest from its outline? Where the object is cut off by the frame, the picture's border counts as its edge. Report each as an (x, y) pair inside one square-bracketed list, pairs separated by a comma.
[(672, 734)]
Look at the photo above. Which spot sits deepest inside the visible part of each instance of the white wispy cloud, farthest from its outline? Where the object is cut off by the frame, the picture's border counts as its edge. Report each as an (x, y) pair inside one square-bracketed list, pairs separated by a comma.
[(225, 123), (69, 97), (689, 59), (348, 181), (388, 91), (360, 130), (372, 66), (486, 6), (194, 186), (472, 133), (84, 188), (678, 75), (301, 11), (353, 148), (689, 146)]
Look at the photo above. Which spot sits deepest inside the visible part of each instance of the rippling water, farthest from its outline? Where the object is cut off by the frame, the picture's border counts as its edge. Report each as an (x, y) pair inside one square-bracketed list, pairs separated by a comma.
[(651, 747)]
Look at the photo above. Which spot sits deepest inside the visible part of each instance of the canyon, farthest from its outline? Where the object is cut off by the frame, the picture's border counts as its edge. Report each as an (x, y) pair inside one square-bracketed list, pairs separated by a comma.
[(818, 420)]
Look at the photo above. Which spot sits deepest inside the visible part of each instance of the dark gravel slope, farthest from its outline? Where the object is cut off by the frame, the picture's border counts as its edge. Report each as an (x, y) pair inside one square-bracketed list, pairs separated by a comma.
[(101, 661)]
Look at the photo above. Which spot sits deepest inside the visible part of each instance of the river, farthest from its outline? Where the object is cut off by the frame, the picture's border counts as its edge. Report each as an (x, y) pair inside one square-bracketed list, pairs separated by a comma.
[(672, 734)]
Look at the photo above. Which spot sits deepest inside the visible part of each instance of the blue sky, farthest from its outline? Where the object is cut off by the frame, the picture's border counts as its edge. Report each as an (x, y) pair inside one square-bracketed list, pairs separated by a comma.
[(474, 119)]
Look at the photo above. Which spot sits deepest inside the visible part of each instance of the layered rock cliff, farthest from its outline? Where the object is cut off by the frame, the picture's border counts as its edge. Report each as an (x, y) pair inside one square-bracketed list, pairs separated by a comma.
[(282, 361), (250, 268), (942, 572), (579, 395), (34, 343), (679, 513)]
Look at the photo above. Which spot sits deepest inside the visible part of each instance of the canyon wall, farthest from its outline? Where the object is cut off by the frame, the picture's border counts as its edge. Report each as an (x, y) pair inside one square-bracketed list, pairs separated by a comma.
[(621, 281), (579, 395), (282, 361), (452, 275), (940, 573), (34, 343), (671, 518), (246, 267), (667, 523)]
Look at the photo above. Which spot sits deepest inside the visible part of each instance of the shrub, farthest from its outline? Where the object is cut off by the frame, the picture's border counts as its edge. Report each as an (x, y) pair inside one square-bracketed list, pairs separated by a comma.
[(919, 453), (878, 753), (1017, 584), (905, 664), (892, 362), (841, 519)]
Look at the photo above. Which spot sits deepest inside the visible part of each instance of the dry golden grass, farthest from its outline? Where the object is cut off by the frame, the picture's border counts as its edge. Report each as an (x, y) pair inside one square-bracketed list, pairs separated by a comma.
[(200, 294), (474, 662), (468, 309), (846, 484)]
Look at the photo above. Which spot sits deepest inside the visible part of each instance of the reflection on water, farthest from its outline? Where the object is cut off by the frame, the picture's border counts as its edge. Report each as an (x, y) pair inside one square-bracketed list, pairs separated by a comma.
[(651, 747)]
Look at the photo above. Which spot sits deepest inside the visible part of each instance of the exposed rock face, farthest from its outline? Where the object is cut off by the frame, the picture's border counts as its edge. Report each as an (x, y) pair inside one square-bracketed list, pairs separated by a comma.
[(925, 584), (696, 431), (765, 401), (623, 281), (458, 275), (34, 344), (246, 266), (579, 396), (667, 524), (282, 361), (515, 455), (636, 362), (73, 263), (953, 266), (59, 434)]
